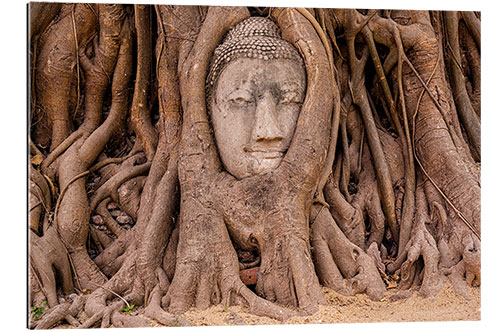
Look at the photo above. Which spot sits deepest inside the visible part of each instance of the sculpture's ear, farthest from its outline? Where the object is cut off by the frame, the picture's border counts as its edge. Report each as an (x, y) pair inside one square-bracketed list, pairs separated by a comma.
[(308, 149)]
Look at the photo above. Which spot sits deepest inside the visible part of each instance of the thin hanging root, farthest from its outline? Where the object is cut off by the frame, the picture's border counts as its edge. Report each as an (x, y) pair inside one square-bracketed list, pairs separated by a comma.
[(465, 110), (368, 35), (360, 98), (32, 83), (356, 27), (77, 52), (409, 198), (425, 86), (346, 167), (326, 25), (404, 136), (474, 25)]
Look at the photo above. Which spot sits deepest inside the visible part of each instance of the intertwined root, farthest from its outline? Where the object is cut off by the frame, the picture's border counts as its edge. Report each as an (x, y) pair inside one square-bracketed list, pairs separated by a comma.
[(287, 274), (65, 311), (48, 255), (467, 271), (423, 245), (337, 258), (207, 270)]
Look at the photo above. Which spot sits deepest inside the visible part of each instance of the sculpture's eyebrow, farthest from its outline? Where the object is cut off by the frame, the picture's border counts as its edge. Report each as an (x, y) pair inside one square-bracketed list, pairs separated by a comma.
[(238, 92)]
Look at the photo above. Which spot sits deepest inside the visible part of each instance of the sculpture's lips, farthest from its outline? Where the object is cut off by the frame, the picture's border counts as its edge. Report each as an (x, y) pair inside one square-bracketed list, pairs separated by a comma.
[(265, 153), (268, 154)]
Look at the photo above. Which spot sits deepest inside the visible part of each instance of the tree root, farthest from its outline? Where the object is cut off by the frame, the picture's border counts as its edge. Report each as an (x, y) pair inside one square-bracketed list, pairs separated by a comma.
[(421, 244), (360, 97), (112, 185), (331, 246), (108, 219), (66, 311), (48, 254), (465, 110), (350, 219), (154, 310), (140, 110), (467, 272)]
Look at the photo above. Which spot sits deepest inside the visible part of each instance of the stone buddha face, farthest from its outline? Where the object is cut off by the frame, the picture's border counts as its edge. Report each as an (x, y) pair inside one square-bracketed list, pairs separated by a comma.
[(254, 111), (256, 97)]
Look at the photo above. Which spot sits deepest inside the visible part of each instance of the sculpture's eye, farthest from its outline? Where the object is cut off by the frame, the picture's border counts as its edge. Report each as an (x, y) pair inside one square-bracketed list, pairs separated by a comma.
[(290, 98), (241, 98), (241, 101)]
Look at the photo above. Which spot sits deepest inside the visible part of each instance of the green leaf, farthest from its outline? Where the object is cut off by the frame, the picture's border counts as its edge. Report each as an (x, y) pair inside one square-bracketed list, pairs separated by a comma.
[(129, 308)]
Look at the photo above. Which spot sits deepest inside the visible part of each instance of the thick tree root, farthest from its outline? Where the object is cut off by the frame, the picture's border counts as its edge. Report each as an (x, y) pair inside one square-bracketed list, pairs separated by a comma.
[(212, 276), (48, 255), (287, 275), (421, 244), (154, 310), (467, 271), (333, 249)]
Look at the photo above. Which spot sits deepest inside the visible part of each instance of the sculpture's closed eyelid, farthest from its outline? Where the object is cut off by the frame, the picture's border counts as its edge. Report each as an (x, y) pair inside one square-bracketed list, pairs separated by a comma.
[(291, 97), (240, 96)]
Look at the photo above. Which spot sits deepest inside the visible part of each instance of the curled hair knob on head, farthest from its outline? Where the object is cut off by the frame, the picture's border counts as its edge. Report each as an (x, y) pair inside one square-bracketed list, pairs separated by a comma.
[(254, 38)]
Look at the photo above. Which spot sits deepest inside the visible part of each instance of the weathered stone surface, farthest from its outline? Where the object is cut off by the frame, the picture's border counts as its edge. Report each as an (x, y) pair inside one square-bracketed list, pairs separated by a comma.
[(259, 88)]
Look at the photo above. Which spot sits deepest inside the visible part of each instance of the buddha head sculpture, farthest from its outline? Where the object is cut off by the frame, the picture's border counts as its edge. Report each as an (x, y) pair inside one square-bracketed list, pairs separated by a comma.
[(255, 89)]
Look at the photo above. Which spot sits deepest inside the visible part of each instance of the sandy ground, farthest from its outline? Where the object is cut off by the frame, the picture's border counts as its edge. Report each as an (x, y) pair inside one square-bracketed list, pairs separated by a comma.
[(446, 306)]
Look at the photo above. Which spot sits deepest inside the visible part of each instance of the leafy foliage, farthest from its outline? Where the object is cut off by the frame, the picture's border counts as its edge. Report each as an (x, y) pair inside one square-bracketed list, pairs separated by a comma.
[(129, 308), (38, 310)]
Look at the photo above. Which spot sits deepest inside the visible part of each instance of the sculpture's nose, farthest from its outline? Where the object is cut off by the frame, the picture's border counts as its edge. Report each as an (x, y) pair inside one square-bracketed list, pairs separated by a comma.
[(266, 126)]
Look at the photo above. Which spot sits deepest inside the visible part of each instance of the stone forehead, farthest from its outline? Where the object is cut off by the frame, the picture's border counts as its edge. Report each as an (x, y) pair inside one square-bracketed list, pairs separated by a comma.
[(254, 38)]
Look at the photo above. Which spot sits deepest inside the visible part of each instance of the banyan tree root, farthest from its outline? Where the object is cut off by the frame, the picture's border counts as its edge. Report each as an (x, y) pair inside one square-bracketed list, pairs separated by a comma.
[(338, 259), (421, 245), (66, 311), (436, 134), (48, 255)]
